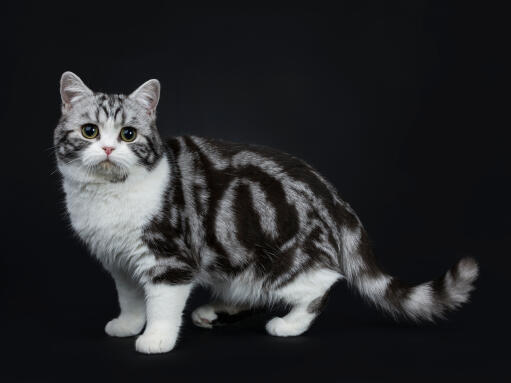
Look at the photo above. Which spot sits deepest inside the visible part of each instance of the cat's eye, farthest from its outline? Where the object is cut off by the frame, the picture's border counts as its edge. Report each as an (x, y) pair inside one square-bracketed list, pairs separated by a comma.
[(128, 134), (90, 131)]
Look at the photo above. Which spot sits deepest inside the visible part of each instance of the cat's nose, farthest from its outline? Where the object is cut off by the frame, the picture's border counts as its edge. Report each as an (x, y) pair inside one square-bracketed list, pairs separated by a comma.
[(108, 149)]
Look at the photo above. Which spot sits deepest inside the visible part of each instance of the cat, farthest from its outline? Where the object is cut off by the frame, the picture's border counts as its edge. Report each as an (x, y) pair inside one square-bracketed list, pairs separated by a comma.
[(255, 225)]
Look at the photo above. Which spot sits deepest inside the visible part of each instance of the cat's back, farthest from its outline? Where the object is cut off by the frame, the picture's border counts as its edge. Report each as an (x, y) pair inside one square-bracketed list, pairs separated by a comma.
[(221, 162), (222, 153)]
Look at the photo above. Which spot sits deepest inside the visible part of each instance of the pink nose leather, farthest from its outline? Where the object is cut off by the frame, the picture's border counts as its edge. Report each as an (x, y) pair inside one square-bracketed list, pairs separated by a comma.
[(108, 150)]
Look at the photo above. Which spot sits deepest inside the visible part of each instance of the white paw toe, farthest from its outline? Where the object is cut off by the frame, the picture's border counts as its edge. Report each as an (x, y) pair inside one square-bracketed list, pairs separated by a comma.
[(125, 326), (280, 327), (156, 342), (204, 316)]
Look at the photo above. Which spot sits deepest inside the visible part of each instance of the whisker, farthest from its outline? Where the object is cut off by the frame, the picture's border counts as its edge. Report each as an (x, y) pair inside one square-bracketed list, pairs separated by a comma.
[(66, 163)]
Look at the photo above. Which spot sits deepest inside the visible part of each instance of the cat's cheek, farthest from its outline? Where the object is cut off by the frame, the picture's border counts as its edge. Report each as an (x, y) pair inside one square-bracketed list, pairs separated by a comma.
[(93, 154)]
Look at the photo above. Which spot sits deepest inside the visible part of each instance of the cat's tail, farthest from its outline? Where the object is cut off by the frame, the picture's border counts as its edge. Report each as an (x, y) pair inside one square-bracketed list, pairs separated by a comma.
[(424, 301)]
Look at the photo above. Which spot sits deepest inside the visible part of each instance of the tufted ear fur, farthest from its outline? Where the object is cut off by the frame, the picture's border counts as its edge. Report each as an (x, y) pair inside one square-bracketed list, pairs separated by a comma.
[(147, 95), (72, 89)]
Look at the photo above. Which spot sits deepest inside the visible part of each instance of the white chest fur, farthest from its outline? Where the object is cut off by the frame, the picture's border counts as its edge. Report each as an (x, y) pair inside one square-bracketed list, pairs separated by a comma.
[(110, 217)]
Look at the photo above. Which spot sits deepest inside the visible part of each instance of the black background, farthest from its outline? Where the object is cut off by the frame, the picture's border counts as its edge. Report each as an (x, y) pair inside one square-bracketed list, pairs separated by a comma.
[(397, 103)]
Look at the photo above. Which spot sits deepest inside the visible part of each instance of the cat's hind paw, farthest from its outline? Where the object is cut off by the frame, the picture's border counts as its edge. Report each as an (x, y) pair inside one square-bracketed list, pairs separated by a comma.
[(204, 316)]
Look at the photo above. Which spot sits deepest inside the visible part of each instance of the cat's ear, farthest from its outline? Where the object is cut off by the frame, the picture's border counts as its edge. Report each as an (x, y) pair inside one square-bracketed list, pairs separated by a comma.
[(147, 95), (72, 89)]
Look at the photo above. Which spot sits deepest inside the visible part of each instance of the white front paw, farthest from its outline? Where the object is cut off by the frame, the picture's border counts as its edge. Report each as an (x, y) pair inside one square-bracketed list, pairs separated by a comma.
[(156, 341), (280, 327), (125, 326)]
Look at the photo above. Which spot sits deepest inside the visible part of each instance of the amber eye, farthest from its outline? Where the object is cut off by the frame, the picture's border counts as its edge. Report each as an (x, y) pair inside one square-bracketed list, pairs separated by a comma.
[(90, 131), (128, 134)]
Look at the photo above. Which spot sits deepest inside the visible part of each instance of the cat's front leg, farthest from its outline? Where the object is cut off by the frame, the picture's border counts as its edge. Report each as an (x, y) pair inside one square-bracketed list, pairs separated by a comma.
[(132, 317), (164, 308)]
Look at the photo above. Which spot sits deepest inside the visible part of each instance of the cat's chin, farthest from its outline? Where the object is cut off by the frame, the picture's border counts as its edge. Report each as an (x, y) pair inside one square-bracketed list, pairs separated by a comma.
[(101, 172), (110, 171), (106, 165)]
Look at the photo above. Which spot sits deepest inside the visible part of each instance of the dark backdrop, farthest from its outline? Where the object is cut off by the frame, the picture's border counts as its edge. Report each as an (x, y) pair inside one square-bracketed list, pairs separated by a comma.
[(397, 103)]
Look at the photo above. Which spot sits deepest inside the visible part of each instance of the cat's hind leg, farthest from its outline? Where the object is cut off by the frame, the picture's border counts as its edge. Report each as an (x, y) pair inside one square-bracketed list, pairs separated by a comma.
[(204, 316), (306, 295)]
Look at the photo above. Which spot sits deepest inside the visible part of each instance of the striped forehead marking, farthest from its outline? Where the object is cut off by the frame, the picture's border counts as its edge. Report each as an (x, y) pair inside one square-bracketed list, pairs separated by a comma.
[(110, 107)]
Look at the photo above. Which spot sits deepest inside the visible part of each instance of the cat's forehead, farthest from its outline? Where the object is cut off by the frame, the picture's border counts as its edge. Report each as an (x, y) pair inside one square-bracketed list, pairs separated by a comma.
[(109, 102), (102, 107)]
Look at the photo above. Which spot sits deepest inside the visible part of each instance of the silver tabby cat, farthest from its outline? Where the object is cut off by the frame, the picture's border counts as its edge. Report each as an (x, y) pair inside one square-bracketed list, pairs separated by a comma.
[(255, 225)]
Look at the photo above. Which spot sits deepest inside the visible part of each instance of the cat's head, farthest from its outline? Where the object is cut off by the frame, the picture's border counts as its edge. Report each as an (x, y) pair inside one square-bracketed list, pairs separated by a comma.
[(106, 137)]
